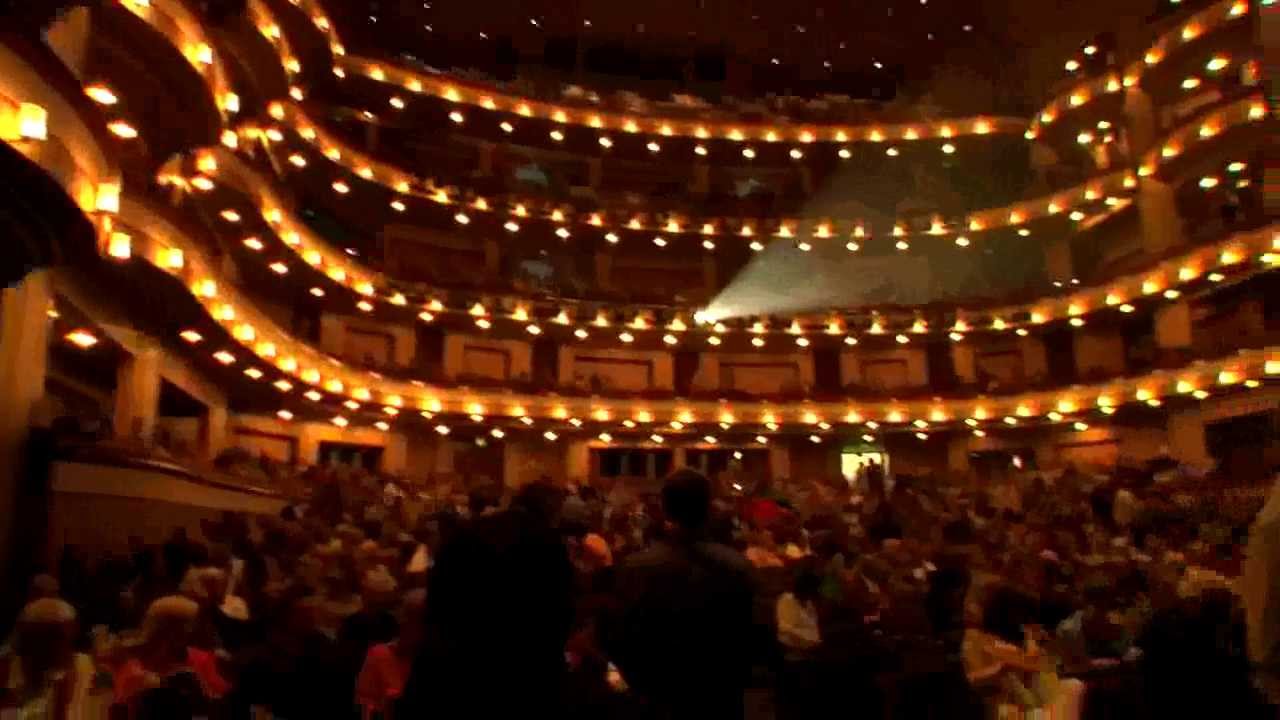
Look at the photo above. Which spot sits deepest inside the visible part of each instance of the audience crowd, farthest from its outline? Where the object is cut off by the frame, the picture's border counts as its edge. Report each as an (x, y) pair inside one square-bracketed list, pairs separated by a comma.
[(1034, 596)]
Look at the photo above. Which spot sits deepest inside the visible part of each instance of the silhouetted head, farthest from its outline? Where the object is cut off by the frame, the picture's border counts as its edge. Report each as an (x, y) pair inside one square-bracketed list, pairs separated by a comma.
[(686, 499)]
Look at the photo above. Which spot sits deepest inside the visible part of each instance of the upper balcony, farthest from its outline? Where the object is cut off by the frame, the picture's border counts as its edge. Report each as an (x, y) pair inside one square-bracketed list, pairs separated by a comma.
[(851, 354)]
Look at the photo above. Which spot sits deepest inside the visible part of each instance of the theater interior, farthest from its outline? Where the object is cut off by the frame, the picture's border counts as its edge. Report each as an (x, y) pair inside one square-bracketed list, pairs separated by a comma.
[(464, 248)]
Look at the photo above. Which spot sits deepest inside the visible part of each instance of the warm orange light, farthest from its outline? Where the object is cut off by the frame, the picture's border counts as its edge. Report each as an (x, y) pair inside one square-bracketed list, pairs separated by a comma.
[(120, 246), (82, 339), (103, 95)]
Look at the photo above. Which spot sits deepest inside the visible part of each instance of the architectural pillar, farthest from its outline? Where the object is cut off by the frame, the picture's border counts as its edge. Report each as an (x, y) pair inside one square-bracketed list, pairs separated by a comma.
[(577, 461), (958, 454), (679, 457), (1187, 442), (779, 462), (595, 173), (604, 264), (1140, 121), (1057, 259), (308, 444), (1100, 350), (451, 363), (395, 454), (1035, 359), (1173, 325), (333, 334), (68, 37), (486, 160), (1158, 215), (806, 179), (213, 432), (443, 464), (710, 274), (965, 362), (701, 183), (492, 258), (24, 342), (137, 399)]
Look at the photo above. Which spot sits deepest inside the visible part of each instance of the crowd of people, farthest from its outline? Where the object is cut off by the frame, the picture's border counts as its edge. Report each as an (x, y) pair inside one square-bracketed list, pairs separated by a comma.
[(1037, 596)]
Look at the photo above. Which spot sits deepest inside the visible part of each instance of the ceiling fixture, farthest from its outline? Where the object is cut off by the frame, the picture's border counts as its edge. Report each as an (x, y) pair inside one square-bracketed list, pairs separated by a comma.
[(82, 339)]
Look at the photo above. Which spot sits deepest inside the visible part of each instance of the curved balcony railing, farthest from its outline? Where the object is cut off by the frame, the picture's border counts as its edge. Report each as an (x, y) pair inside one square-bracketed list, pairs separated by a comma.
[(259, 340)]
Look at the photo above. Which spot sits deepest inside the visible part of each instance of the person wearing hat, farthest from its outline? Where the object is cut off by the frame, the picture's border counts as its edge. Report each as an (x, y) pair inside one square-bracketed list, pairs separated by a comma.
[(44, 676)]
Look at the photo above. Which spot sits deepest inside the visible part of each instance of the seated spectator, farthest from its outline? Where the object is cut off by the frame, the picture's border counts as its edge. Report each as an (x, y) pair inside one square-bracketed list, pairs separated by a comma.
[(797, 614), (166, 676), (387, 665)]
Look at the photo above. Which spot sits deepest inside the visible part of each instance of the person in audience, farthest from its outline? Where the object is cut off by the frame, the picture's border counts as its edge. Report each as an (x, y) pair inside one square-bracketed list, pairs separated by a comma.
[(165, 676), (634, 601), (498, 615), (1002, 658), (682, 637), (762, 551), (387, 664), (43, 675), (1260, 581), (797, 614)]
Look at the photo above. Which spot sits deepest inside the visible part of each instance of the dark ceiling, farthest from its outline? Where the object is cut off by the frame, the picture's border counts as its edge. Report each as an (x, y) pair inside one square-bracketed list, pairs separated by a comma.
[(743, 47)]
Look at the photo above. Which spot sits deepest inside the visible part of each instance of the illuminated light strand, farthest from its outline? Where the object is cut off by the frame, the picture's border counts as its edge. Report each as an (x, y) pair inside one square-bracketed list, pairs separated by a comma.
[(1237, 370), (979, 220), (1095, 301), (1212, 18)]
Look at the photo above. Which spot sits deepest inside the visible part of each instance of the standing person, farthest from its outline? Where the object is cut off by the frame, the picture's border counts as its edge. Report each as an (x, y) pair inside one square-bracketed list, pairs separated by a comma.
[(497, 618), (683, 631)]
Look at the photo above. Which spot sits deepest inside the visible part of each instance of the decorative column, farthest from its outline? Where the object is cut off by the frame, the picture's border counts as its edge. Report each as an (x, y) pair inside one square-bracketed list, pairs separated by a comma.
[(779, 462), (965, 362), (1158, 215), (1057, 259), (1035, 360), (1173, 325), (958, 454), (213, 431), (1100, 349), (679, 457), (137, 399), (333, 333), (395, 454), (604, 265), (595, 173), (701, 182), (1187, 442), (492, 258), (24, 342), (1140, 121), (577, 460), (443, 456), (486, 159), (710, 274), (68, 37)]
